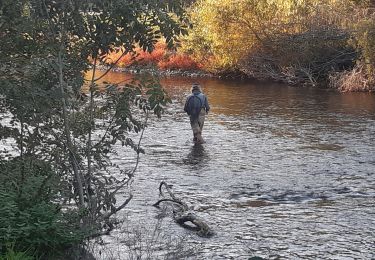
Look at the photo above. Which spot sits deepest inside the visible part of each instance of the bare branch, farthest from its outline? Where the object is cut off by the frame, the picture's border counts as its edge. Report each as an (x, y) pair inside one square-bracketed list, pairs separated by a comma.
[(182, 214), (111, 66), (114, 211), (170, 200)]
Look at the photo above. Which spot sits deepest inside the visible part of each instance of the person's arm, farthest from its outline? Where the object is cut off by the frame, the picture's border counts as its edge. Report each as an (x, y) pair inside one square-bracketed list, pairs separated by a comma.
[(186, 105), (206, 104)]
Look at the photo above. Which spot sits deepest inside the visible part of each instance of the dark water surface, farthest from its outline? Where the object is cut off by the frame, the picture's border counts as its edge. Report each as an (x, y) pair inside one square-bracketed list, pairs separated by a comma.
[(286, 172)]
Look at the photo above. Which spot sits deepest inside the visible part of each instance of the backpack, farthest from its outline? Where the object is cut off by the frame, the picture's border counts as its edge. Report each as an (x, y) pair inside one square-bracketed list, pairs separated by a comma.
[(194, 106)]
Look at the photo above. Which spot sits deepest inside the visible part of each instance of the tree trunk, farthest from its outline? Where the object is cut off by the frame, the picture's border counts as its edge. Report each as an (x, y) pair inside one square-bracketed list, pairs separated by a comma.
[(72, 158)]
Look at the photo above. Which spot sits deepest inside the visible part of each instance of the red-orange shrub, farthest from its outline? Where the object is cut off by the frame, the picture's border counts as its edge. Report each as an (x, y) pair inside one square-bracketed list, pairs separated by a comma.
[(141, 57), (147, 58), (179, 61), (159, 57)]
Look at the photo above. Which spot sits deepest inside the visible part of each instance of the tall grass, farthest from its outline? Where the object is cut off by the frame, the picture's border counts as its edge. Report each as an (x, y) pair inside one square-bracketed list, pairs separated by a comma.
[(354, 80), (12, 254)]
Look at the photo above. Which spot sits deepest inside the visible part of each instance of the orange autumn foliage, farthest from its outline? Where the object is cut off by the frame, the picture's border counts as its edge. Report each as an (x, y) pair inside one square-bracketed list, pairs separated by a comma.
[(160, 57), (179, 61)]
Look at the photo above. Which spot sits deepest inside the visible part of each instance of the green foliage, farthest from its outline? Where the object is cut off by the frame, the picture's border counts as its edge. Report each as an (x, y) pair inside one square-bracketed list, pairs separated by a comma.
[(64, 133), (11, 254), (30, 216)]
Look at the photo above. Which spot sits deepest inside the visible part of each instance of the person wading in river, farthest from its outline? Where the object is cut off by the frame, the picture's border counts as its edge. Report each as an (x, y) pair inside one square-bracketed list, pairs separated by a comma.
[(196, 106)]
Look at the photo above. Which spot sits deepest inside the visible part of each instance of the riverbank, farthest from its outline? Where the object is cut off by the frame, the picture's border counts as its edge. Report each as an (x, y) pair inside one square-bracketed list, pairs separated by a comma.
[(353, 82), (159, 72)]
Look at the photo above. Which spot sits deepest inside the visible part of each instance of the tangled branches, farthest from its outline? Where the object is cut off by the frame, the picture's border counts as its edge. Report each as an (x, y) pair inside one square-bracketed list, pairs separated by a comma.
[(181, 212)]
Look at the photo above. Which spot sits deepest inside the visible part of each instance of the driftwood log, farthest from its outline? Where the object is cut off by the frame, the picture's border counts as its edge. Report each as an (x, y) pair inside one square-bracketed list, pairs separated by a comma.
[(181, 212)]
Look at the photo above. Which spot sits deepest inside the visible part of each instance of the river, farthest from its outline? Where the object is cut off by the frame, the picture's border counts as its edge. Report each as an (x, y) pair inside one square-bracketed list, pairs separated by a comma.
[(285, 173)]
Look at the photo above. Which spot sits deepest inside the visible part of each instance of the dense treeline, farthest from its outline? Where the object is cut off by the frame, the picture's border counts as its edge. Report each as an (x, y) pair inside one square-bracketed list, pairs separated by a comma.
[(316, 42), (305, 42), (302, 42)]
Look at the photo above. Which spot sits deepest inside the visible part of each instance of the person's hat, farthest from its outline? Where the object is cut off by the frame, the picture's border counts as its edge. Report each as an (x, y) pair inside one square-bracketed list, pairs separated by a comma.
[(195, 86)]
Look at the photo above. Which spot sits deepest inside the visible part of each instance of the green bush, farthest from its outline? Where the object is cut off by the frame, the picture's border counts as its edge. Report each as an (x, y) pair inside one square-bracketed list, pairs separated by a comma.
[(30, 217), (11, 254)]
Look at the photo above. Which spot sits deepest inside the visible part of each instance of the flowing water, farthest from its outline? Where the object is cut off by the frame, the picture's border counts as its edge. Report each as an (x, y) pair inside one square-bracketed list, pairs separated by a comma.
[(285, 173)]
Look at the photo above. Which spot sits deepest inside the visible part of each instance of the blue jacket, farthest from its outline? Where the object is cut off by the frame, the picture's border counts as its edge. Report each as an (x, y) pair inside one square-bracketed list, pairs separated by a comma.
[(203, 99)]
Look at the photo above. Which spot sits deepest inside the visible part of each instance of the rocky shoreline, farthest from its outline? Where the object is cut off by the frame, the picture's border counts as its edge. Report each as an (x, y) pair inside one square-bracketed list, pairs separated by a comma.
[(159, 72)]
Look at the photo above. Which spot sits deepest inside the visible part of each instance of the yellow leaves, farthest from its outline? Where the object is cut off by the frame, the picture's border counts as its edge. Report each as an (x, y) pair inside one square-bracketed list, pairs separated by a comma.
[(227, 31), (365, 42), (217, 22), (27, 36)]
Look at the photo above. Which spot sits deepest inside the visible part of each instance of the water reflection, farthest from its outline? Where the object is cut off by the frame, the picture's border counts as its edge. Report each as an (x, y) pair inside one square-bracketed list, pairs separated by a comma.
[(197, 156), (254, 99)]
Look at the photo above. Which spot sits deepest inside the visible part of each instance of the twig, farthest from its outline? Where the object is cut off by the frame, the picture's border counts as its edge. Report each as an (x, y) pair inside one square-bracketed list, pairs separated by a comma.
[(170, 200)]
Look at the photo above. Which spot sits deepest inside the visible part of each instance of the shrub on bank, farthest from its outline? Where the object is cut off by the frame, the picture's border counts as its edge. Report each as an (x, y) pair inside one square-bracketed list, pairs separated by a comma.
[(140, 57), (30, 218), (151, 58), (354, 80), (179, 61), (11, 254), (160, 57), (301, 58), (364, 41)]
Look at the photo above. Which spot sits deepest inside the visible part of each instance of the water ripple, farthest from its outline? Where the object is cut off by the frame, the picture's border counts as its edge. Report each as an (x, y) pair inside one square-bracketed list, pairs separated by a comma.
[(286, 173)]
